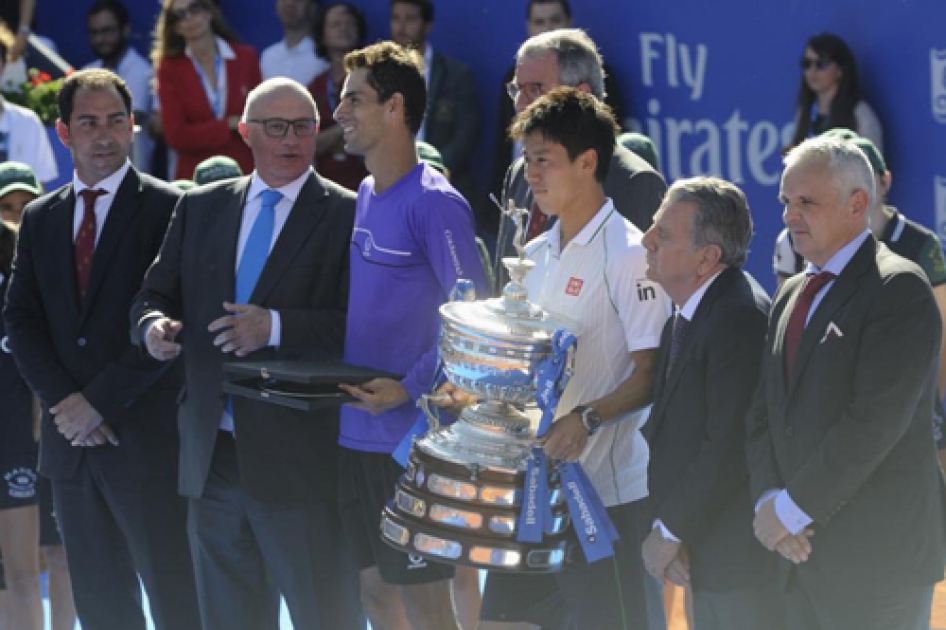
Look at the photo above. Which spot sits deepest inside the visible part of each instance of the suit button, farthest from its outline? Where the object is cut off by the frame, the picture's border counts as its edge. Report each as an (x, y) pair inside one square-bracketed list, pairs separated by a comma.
[(82, 341), (789, 431)]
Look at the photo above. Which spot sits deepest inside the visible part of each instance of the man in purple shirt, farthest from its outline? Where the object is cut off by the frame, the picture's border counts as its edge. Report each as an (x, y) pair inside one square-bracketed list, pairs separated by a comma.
[(413, 239)]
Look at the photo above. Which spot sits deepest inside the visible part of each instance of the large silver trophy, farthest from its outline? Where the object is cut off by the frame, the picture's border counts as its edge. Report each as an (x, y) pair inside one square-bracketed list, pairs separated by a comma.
[(461, 497)]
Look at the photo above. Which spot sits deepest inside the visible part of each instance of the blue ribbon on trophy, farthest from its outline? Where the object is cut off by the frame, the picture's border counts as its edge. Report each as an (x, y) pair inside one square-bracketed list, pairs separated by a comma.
[(535, 515), (593, 527), (463, 291)]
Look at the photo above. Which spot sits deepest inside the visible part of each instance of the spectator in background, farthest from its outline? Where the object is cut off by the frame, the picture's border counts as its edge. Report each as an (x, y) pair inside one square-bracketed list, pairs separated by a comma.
[(204, 77), (109, 32), (452, 118), (541, 16), (22, 135), (216, 168), (339, 29), (641, 146), (296, 55), (18, 14), (830, 95)]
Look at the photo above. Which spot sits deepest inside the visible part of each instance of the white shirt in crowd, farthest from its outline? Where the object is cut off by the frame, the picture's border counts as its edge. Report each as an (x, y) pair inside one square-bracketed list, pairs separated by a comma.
[(28, 141), (598, 286), (298, 63)]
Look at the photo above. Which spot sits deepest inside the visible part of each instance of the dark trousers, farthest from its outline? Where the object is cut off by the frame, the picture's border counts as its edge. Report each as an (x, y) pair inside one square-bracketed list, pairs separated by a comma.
[(247, 553), (117, 527), (750, 609), (893, 608)]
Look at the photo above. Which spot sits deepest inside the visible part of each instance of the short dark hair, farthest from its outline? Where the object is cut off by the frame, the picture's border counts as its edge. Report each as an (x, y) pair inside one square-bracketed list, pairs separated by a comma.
[(319, 29), (394, 69), (574, 119), (112, 6), (566, 8), (426, 8), (92, 79)]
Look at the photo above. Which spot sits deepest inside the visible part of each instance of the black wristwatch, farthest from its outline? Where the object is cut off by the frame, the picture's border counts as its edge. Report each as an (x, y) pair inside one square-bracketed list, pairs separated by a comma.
[(590, 418)]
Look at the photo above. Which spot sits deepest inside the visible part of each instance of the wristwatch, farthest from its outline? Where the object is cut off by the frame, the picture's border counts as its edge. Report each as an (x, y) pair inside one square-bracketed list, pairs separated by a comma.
[(590, 418)]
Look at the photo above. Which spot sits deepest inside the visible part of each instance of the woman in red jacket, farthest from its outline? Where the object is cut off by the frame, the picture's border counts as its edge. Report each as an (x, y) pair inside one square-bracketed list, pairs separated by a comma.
[(203, 77)]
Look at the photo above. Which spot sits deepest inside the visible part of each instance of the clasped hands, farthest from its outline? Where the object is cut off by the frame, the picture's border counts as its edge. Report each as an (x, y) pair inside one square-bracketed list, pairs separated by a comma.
[(774, 536), (79, 422)]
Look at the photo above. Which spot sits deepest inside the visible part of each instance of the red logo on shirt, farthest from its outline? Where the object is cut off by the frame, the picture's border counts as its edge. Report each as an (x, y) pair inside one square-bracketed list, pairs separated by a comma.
[(574, 286)]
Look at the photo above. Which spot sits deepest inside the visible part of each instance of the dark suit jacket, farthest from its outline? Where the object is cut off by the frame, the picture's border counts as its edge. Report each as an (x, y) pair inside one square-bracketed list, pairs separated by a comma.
[(452, 114), (189, 124), (284, 455), (697, 476), (851, 437), (635, 187), (63, 347)]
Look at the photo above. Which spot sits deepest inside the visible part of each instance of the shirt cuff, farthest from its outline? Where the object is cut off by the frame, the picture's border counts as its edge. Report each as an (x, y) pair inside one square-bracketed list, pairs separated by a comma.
[(768, 494), (793, 517), (666, 533), (275, 329)]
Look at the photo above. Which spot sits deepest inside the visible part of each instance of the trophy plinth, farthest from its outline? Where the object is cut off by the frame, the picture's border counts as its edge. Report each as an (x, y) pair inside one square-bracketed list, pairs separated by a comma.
[(460, 499)]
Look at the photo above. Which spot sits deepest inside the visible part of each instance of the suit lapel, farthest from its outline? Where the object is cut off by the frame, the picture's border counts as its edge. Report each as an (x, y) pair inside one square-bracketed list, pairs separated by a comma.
[(837, 296), (230, 217), (436, 77), (61, 218), (697, 330), (660, 382), (120, 215), (305, 214)]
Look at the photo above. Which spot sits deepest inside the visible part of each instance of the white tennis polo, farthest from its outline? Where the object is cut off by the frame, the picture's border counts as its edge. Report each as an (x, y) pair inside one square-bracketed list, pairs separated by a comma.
[(598, 285)]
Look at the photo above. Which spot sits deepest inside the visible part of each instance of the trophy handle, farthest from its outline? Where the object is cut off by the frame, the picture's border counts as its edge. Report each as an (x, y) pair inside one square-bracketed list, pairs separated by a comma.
[(433, 417)]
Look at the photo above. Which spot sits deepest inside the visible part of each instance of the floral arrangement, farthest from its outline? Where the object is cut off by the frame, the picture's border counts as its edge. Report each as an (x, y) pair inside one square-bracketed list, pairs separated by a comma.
[(38, 94)]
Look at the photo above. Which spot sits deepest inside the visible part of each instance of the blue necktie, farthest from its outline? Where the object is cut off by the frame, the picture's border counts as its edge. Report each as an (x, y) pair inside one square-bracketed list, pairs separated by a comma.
[(257, 246)]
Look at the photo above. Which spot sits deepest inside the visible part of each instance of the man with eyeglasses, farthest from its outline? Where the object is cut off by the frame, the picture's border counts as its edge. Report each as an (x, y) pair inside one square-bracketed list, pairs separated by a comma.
[(546, 61), (109, 29), (542, 16), (257, 267)]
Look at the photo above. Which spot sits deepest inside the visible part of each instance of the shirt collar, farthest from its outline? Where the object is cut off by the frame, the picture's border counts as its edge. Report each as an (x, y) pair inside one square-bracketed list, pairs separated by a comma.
[(290, 191), (110, 184), (587, 233), (842, 257), (689, 309), (223, 48)]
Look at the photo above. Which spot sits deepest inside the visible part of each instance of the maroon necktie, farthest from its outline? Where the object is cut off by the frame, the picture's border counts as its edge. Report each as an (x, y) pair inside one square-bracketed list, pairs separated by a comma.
[(799, 317), (538, 221), (85, 239)]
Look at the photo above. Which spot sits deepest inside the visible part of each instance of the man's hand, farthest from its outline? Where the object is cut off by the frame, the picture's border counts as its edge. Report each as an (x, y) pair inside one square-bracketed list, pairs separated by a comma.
[(658, 553), (75, 418), (767, 525), (100, 436), (796, 549), (243, 332), (678, 571), (159, 340), (451, 399), (566, 438), (378, 395)]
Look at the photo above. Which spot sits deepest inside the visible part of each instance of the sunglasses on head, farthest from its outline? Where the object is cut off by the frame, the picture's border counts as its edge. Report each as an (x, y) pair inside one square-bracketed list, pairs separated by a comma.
[(192, 10), (820, 63)]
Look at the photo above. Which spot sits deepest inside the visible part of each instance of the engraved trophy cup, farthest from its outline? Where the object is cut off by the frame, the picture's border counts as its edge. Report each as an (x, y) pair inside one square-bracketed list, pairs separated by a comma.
[(461, 499)]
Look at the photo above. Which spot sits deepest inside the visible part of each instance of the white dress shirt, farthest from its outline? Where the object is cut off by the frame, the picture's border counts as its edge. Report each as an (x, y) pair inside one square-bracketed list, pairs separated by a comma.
[(103, 203)]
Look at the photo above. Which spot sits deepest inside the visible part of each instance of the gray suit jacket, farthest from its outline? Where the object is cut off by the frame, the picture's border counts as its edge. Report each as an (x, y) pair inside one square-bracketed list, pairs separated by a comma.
[(850, 435), (284, 455)]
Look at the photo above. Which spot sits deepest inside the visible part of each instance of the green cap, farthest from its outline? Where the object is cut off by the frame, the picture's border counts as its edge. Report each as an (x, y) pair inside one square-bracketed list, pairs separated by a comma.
[(429, 153), (840, 133), (18, 176), (215, 168), (642, 146), (183, 184)]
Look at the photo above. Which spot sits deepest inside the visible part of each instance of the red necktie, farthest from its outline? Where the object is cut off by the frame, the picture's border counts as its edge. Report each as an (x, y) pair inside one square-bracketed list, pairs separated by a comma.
[(799, 317), (85, 239), (538, 220)]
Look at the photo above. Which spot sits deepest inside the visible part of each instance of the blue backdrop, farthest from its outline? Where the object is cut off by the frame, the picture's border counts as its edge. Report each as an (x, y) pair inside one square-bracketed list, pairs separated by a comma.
[(713, 83)]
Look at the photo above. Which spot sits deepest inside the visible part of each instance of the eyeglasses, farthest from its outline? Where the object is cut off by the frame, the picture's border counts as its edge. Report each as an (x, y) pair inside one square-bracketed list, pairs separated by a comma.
[(531, 90), (192, 10), (279, 127), (820, 63)]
